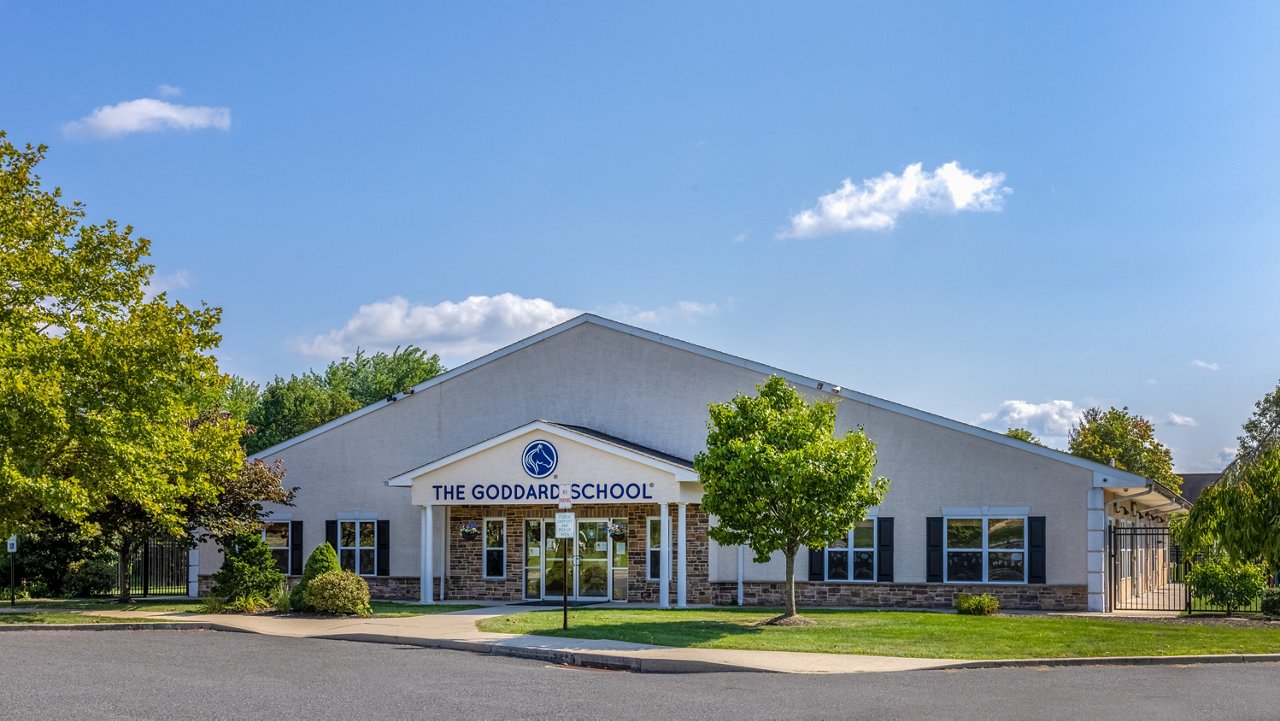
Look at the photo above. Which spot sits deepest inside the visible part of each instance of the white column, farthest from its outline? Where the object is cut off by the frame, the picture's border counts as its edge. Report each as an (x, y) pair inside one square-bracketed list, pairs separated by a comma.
[(427, 551), (742, 567), (664, 574), (1095, 551), (444, 566), (681, 568), (193, 572)]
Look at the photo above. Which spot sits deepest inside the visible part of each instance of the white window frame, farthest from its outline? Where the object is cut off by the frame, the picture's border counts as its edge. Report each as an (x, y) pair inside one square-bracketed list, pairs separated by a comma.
[(485, 547), (358, 547), (850, 549), (649, 548), (288, 541), (985, 550)]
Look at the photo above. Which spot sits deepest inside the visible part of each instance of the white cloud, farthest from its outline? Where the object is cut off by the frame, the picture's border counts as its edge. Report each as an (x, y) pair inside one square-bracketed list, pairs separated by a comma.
[(1225, 456), (686, 310), (1206, 365), (146, 115), (166, 283), (1175, 419), (463, 330), (1051, 420), (165, 90), (876, 203)]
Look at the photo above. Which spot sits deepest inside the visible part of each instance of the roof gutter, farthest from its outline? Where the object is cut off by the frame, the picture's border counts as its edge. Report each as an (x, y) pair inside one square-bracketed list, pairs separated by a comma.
[(1151, 488)]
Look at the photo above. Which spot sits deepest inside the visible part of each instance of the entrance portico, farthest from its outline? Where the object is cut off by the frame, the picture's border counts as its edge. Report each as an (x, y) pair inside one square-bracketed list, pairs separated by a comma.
[(499, 498)]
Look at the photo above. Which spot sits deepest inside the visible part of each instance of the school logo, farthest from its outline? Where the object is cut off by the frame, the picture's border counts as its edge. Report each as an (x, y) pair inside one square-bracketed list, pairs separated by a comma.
[(539, 459)]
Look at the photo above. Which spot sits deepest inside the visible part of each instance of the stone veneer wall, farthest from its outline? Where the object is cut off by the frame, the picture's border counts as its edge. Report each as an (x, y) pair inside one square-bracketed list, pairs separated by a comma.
[(1031, 597), (466, 570)]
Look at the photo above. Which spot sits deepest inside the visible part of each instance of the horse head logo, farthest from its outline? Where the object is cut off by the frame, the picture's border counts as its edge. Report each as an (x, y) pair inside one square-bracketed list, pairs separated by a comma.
[(539, 459)]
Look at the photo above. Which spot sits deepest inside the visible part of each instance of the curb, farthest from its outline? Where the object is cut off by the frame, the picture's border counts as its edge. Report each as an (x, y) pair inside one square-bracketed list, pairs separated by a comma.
[(584, 659), (1111, 661)]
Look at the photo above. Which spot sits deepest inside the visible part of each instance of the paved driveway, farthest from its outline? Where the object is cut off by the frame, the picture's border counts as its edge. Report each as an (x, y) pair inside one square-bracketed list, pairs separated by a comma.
[(214, 675)]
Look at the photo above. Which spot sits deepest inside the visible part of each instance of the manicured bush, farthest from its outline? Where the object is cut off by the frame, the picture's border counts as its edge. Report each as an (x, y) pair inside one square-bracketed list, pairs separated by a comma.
[(322, 560), (89, 577), (977, 604), (248, 575), (339, 592), (1271, 602), (1227, 583)]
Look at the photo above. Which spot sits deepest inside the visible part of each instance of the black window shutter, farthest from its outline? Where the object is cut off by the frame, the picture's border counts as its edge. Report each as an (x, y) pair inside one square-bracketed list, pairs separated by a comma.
[(884, 550), (1035, 549), (295, 548), (331, 533), (933, 565), (817, 565), (384, 548)]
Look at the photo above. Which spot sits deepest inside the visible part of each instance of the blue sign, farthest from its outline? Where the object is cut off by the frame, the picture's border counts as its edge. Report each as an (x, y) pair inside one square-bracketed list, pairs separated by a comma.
[(539, 459)]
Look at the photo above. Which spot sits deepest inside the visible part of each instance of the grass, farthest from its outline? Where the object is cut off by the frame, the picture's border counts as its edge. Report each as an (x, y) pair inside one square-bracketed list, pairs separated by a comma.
[(40, 617), (105, 604), (898, 633), (393, 609)]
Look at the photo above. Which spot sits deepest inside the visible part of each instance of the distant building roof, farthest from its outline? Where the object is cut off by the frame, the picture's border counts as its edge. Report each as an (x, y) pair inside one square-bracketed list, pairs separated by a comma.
[(1195, 483)]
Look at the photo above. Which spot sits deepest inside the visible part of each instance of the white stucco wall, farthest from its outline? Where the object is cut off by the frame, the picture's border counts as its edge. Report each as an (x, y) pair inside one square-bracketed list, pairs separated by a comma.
[(655, 395)]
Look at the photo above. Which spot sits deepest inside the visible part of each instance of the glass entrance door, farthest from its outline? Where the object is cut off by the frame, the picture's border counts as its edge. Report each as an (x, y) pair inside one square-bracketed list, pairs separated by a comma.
[(593, 559), (590, 578)]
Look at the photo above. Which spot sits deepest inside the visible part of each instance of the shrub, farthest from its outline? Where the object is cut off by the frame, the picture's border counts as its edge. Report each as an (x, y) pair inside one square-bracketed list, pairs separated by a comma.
[(248, 604), (322, 560), (339, 592), (979, 604), (1227, 583), (89, 577), (248, 575), (213, 605), (1271, 602)]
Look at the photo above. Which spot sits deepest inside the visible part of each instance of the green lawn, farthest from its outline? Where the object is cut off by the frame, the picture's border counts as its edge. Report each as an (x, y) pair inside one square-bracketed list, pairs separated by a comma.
[(392, 609), (41, 617), (103, 604), (898, 633)]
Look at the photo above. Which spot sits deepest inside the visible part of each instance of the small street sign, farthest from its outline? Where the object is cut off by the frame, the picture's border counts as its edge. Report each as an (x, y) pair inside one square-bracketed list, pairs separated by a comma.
[(13, 544), (564, 525), (565, 503)]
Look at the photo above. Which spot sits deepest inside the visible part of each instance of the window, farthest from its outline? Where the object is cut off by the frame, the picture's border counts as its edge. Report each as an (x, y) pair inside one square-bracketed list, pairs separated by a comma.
[(986, 550), (495, 548), (358, 546), (854, 557), (654, 562), (276, 535)]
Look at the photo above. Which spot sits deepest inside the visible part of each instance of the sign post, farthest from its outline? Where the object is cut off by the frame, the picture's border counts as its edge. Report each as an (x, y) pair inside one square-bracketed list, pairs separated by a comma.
[(13, 586), (564, 533)]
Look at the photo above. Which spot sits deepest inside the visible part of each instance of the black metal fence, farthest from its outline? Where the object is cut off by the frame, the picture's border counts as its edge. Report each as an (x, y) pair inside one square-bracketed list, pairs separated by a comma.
[(160, 569), (1148, 572)]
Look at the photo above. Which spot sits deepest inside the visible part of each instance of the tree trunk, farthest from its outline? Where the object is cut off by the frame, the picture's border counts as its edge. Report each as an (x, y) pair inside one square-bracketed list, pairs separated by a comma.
[(789, 591), (126, 571)]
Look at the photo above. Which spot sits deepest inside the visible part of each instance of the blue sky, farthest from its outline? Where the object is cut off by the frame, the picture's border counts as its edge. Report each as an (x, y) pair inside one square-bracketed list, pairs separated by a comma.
[(1092, 219)]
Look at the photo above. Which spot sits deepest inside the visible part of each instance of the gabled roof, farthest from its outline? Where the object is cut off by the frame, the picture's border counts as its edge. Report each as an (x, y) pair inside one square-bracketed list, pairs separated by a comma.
[(1103, 475), (682, 469)]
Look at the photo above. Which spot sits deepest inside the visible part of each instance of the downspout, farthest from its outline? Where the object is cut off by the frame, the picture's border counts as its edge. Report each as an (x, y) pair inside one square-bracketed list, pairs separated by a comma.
[(1151, 488)]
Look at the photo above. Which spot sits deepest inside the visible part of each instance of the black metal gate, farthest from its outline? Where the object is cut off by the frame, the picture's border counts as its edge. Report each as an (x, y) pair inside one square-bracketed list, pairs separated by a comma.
[(160, 569), (1147, 571)]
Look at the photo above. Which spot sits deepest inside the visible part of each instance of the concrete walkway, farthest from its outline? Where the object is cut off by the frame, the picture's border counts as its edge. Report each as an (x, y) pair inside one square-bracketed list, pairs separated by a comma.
[(457, 630)]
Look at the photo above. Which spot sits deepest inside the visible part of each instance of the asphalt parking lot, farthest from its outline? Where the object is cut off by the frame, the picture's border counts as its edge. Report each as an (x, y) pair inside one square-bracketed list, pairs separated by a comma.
[(214, 675)]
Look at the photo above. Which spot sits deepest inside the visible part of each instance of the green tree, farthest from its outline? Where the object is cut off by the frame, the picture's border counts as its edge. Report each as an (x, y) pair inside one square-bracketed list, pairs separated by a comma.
[(1238, 514), (1023, 434), (371, 378), (1126, 438), (248, 577), (324, 559), (777, 477), (99, 383), (1262, 430), (288, 408), (240, 397)]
